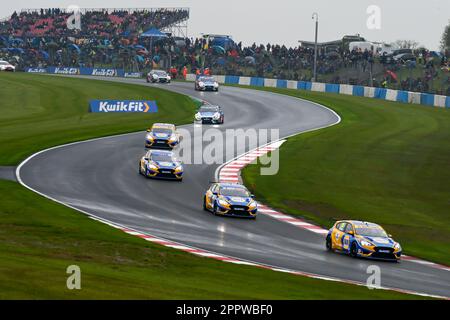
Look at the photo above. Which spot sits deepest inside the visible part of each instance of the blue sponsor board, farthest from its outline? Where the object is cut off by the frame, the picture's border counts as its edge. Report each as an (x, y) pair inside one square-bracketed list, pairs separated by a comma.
[(36, 70), (132, 75), (145, 106), (63, 70)]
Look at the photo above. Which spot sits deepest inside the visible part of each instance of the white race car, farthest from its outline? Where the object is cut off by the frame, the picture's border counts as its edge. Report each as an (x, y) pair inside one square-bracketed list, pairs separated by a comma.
[(206, 83), (158, 76), (6, 66)]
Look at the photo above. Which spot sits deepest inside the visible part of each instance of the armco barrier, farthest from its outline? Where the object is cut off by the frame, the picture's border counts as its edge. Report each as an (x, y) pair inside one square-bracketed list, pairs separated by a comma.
[(361, 91), (355, 90)]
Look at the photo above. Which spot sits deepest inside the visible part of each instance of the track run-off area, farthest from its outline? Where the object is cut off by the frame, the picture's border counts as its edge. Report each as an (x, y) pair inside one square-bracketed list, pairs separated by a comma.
[(100, 177)]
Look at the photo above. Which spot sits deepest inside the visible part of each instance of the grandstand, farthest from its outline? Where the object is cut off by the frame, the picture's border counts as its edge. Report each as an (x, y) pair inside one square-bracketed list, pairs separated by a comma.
[(103, 22), (137, 40)]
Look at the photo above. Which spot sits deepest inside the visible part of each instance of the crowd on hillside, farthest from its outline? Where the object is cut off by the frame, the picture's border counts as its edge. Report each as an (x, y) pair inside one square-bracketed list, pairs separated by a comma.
[(110, 38)]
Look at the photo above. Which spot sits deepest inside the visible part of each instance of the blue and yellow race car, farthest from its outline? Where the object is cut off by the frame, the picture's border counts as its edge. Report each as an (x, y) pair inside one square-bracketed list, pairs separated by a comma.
[(162, 135), (362, 239), (161, 164), (230, 199)]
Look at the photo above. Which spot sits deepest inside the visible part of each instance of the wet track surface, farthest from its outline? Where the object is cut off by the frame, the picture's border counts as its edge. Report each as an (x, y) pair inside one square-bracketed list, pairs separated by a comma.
[(101, 177)]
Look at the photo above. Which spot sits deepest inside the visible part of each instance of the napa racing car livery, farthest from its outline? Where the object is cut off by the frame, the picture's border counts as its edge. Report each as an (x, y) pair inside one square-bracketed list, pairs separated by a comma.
[(362, 239), (158, 76), (230, 199), (206, 83), (162, 135), (210, 114), (161, 164)]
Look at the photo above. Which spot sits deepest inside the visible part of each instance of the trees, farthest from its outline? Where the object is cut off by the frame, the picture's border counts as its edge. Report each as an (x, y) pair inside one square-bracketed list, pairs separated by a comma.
[(445, 40), (406, 44)]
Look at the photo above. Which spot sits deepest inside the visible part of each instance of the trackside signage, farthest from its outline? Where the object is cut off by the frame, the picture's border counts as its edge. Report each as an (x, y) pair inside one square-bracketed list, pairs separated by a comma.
[(145, 106)]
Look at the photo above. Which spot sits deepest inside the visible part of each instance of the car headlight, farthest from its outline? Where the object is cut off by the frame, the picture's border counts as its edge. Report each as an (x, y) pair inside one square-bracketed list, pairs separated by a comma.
[(179, 168), (149, 136), (201, 84), (252, 205), (152, 166), (216, 115), (168, 78), (216, 84), (198, 116), (223, 203), (173, 137), (397, 246), (365, 243), (155, 76)]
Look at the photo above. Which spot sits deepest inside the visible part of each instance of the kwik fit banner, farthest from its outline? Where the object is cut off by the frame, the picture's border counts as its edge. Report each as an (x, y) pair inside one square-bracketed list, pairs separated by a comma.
[(145, 106)]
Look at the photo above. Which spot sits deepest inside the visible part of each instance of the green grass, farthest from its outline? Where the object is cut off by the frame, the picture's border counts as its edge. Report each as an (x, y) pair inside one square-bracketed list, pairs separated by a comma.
[(39, 239), (39, 111), (385, 162)]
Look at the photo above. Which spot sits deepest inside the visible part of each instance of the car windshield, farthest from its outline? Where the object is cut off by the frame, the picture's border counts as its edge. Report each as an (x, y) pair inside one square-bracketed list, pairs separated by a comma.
[(208, 109), (370, 231), (162, 130), (234, 192), (160, 73), (4, 63), (207, 79), (162, 158)]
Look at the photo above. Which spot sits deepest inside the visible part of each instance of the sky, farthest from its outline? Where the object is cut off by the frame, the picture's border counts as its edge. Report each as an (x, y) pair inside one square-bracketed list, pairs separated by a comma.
[(287, 21)]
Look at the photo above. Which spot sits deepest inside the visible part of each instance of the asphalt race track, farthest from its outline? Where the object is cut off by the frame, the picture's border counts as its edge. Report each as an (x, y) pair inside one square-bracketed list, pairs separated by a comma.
[(101, 177)]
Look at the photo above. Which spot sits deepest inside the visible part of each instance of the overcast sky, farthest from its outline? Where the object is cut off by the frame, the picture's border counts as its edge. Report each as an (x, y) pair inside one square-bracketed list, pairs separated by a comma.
[(287, 21)]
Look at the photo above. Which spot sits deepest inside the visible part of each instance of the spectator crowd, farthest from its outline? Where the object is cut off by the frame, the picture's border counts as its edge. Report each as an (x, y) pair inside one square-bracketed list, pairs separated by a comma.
[(111, 38)]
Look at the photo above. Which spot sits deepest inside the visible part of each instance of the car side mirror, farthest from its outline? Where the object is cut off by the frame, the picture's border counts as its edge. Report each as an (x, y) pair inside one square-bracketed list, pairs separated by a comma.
[(390, 235), (148, 130), (146, 159), (214, 193), (351, 232), (252, 196)]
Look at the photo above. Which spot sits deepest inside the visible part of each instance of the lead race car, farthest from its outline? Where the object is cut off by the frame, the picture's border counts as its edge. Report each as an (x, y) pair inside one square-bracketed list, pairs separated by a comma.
[(362, 239), (230, 199), (162, 135), (206, 83), (161, 164), (210, 114), (158, 76)]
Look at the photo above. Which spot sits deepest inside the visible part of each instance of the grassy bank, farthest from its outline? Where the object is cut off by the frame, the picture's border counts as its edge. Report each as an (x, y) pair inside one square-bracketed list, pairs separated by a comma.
[(39, 239), (385, 162), (39, 111)]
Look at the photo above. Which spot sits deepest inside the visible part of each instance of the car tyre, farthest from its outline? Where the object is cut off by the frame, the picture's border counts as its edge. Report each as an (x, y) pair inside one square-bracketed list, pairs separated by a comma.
[(353, 250), (328, 243)]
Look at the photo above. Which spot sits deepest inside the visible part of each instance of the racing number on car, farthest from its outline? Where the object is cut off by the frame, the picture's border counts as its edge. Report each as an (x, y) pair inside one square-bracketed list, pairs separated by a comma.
[(345, 242)]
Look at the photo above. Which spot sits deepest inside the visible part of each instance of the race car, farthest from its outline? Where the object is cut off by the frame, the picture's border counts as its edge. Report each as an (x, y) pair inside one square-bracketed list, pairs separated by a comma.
[(6, 66), (210, 114), (161, 164), (230, 199), (206, 83), (162, 135), (158, 76), (362, 239)]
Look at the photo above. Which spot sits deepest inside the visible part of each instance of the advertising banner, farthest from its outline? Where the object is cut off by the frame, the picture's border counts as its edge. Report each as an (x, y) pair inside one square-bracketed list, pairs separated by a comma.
[(145, 106)]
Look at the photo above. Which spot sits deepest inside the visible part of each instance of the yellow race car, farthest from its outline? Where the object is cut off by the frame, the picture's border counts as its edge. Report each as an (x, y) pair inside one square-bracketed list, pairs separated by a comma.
[(230, 199), (362, 239), (162, 135)]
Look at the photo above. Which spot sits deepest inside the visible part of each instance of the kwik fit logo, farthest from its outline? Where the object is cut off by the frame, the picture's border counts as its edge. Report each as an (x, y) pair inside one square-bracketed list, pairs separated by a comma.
[(145, 106)]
